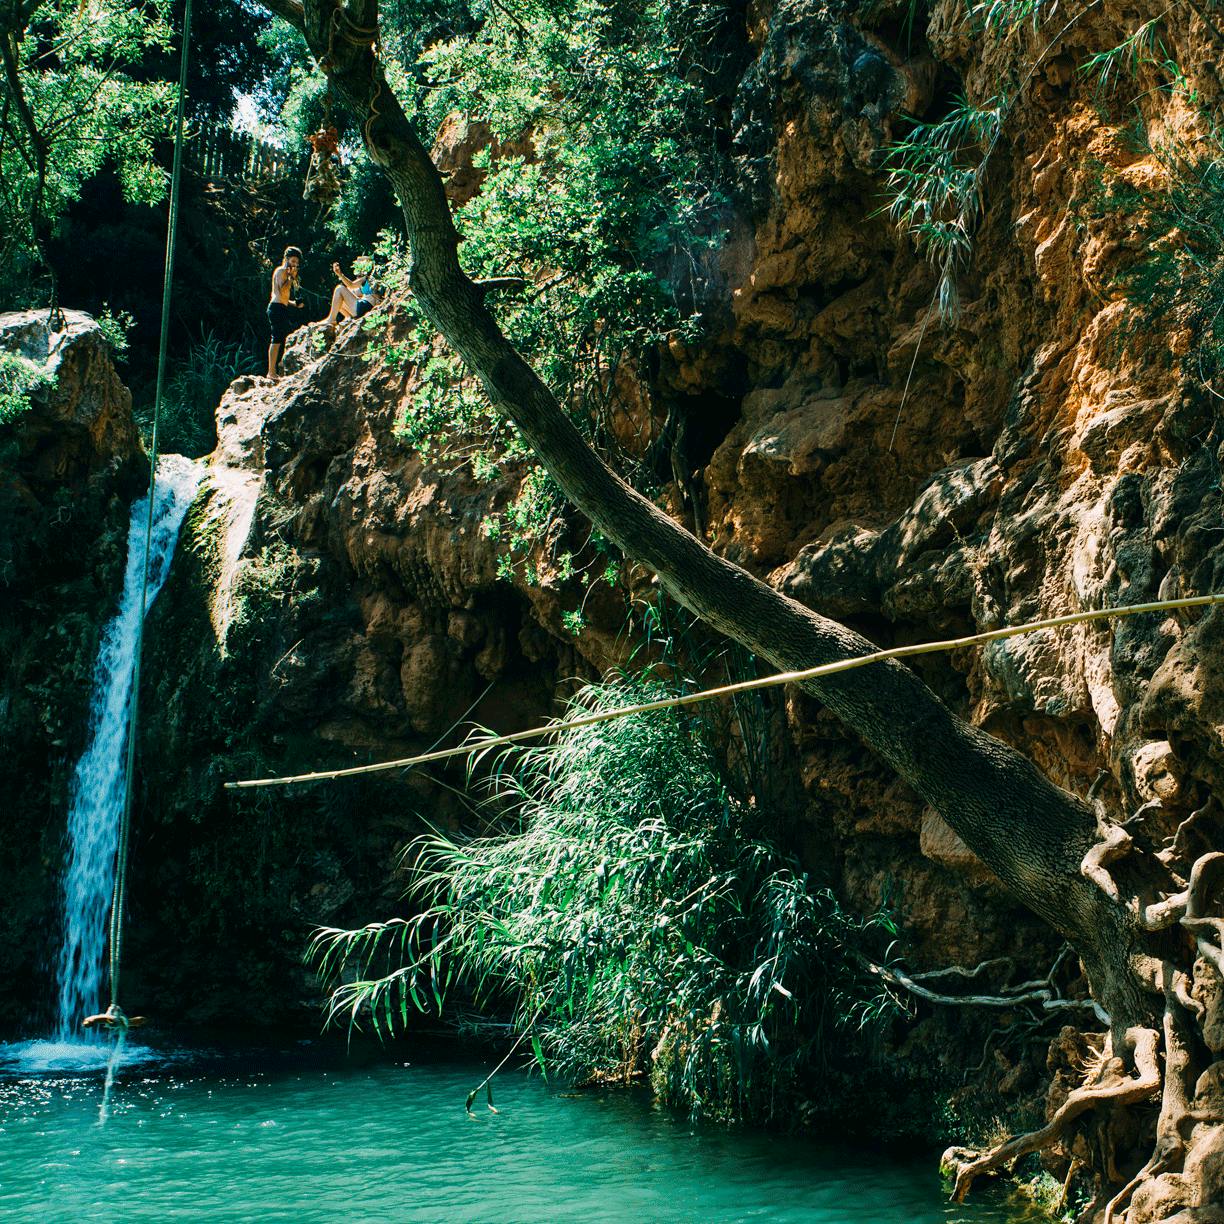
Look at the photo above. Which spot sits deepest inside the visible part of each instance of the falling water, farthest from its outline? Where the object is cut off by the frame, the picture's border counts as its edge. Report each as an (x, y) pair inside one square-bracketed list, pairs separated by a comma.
[(97, 794)]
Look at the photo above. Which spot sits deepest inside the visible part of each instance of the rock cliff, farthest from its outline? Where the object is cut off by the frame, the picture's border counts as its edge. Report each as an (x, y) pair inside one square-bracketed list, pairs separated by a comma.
[(337, 600)]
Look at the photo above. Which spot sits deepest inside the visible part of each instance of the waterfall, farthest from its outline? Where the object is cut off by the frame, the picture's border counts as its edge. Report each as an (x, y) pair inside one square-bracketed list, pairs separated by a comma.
[(97, 793)]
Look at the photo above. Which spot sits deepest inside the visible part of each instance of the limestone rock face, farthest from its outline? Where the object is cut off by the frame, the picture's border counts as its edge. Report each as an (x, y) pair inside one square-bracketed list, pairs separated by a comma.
[(927, 480), (79, 425)]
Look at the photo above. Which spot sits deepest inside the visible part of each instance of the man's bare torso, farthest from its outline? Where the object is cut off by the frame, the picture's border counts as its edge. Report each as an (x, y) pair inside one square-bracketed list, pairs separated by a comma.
[(282, 284)]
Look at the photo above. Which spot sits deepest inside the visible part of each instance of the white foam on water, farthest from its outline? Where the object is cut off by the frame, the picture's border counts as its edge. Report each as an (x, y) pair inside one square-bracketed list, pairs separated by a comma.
[(56, 1056)]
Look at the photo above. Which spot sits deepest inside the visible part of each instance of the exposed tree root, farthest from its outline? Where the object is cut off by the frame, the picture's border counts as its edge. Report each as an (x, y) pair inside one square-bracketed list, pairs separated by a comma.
[(1115, 843), (1183, 1177), (1040, 992), (1174, 1106), (1179, 849), (1110, 1087)]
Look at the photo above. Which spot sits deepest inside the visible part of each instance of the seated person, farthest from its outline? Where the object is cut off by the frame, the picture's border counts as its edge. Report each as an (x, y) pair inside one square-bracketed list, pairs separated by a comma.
[(352, 298)]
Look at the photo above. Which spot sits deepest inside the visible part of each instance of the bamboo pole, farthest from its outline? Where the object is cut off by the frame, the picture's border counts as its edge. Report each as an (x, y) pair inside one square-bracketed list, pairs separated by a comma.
[(744, 686)]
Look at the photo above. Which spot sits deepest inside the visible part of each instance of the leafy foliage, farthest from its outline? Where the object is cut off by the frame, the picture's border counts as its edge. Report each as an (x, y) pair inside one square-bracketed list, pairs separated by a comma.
[(115, 328), (617, 188), (193, 388), (1000, 16), (633, 920), (1141, 55), (73, 72), (602, 189), (935, 184), (18, 377), (936, 173)]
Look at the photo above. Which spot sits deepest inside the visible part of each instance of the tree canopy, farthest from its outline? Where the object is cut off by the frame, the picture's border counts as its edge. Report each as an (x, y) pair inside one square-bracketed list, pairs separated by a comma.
[(74, 98)]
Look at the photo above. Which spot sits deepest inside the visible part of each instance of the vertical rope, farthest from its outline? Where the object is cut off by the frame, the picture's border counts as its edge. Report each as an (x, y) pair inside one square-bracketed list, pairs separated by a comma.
[(125, 821)]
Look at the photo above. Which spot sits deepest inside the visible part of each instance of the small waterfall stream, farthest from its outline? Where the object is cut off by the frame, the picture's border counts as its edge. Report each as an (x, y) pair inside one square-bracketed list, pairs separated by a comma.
[(96, 799), (97, 792)]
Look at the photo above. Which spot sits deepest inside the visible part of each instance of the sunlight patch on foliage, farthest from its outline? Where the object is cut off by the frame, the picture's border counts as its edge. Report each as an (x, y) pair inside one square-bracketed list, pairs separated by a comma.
[(1177, 283)]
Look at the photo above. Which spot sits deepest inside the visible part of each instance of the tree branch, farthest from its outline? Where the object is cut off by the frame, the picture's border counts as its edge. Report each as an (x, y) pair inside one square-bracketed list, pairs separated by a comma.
[(290, 10)]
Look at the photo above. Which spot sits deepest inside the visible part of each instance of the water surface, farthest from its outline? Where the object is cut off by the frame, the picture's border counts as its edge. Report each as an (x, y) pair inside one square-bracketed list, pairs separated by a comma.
[(299, 1137)]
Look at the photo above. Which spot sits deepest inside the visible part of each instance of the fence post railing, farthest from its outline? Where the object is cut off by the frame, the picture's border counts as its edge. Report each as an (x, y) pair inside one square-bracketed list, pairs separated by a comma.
[(221, 153)]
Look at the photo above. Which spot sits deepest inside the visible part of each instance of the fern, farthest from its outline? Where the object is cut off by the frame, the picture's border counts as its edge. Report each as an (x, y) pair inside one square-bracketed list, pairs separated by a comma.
[(935, 178)]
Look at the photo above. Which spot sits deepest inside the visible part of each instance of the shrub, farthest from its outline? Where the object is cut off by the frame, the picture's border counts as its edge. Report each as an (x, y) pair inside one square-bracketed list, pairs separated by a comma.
[(935, 186), (115, 329), (633, 921), (193, 390), (1177, 284), (18, 378)]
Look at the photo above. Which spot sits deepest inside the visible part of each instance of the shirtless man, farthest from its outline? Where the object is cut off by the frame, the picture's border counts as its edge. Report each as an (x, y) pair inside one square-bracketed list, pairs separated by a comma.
[(281, 306)]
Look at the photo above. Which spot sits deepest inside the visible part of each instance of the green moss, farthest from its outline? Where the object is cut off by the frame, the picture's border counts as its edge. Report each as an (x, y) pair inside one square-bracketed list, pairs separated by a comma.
[(19, 378)]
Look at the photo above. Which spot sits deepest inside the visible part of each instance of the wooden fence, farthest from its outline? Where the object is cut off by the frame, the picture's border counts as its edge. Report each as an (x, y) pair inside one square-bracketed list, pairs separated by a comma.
[(221, 153)]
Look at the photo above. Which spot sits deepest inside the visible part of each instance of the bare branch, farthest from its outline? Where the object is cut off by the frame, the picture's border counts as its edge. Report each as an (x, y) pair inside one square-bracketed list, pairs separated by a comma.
[(1044, 995), (960, 971), (1179, 847)]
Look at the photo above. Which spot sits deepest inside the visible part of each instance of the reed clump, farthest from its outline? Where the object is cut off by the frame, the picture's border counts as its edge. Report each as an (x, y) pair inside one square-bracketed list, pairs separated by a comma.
[(633, 921)]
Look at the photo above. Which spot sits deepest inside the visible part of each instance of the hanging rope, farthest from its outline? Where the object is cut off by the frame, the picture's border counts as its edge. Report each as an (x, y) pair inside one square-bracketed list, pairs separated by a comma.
[(113, 1017), (356, 36), (744, 686)]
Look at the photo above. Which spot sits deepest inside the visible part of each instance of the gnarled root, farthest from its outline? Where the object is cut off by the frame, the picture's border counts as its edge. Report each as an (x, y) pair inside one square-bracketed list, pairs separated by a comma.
[(1110, 1087), (1174, 1103)]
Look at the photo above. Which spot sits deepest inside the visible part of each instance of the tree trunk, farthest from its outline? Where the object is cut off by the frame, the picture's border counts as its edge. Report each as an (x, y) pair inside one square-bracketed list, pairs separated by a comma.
[(1031, 833)]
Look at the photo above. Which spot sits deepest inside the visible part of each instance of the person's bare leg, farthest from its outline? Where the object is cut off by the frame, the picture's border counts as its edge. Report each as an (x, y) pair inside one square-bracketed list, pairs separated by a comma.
[(274, 352), (342, 303), (334, 309)]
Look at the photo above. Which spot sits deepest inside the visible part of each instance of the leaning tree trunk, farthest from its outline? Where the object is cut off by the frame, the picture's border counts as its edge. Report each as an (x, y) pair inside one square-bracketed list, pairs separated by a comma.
[(1045, 844)]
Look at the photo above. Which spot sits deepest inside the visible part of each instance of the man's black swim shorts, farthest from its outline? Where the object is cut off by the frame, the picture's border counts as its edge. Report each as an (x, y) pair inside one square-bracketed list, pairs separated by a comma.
[(280, 321)]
